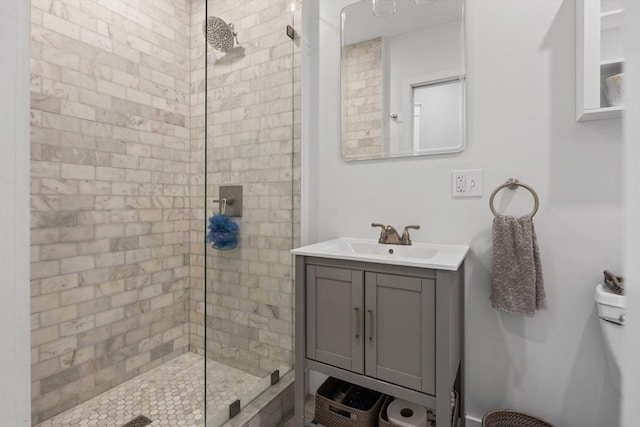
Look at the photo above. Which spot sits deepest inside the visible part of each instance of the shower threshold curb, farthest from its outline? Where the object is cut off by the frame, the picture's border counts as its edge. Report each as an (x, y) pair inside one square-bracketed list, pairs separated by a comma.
[(259, 403)]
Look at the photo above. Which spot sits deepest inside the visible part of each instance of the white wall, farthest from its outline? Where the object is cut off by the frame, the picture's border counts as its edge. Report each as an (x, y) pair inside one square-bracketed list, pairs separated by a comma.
[(631, 415), (521, 123), (14, 213)]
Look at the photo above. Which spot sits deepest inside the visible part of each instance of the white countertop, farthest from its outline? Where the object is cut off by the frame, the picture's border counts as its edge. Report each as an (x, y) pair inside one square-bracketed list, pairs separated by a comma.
[(423, 255)]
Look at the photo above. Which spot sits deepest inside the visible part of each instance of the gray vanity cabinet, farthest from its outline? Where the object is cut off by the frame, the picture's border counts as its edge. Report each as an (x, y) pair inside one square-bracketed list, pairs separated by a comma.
[(334, 326), (390, 339), (400, 330), (390, 328)]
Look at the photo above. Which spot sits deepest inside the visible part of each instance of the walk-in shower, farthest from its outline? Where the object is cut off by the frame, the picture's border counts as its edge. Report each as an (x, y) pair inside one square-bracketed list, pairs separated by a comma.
[(138, 123)]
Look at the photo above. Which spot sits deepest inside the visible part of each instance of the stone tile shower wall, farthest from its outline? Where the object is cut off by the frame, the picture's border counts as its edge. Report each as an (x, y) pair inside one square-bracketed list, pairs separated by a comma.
[(110, 193), (253, 140), (362, 98)]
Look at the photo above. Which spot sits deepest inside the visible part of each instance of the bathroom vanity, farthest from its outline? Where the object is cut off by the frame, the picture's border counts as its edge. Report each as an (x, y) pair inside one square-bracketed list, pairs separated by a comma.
[(385, 317)]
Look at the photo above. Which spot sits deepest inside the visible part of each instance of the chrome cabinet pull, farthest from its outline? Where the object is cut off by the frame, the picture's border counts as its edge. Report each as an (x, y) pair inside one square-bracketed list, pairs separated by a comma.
[(356, 322), (369, 325)]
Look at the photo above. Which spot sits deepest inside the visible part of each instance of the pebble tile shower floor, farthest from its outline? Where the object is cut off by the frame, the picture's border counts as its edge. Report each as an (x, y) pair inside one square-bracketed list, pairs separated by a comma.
[(169, 395)]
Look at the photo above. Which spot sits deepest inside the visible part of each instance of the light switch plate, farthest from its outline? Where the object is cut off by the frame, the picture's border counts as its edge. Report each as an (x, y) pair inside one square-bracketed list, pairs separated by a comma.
[(466, 183)]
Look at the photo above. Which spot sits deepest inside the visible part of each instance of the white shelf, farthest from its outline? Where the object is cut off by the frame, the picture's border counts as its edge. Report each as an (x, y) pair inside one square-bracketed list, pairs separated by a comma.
[(611, 19), (602, 113), (611, 61)]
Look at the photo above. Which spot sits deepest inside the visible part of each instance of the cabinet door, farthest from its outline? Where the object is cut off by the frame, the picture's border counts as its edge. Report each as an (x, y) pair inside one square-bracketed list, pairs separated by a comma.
[(400, 330), (334, 317)]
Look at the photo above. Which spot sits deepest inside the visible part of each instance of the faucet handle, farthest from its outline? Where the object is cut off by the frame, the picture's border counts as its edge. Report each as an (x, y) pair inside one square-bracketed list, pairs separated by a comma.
[(406, 239), (383, 231)]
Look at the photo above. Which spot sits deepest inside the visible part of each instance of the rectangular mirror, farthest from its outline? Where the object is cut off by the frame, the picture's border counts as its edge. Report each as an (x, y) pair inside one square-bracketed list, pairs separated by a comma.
[(402, 79)]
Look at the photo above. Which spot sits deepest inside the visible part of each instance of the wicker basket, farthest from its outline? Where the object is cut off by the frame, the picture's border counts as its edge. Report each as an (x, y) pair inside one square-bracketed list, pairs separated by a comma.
[(333, 414), (509, 418), (384, 421)]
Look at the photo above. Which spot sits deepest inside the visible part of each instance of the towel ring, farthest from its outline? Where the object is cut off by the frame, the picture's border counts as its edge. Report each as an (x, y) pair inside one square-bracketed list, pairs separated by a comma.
[(512, 184)]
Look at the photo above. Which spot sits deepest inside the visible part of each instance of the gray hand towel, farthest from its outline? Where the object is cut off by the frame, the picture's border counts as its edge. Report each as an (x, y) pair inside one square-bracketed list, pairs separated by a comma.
[(517, 285)]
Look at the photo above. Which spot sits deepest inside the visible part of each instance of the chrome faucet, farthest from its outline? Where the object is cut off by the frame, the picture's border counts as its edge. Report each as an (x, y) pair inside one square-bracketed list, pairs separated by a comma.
[(389, 235)]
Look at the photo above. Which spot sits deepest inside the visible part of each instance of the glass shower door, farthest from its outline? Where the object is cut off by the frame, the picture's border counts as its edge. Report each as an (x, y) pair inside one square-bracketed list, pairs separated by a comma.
[(250, 186)]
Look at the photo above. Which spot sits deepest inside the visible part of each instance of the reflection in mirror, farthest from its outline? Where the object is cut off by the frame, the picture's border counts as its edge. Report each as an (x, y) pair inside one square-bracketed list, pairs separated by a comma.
[(402, 80), (436, 116)]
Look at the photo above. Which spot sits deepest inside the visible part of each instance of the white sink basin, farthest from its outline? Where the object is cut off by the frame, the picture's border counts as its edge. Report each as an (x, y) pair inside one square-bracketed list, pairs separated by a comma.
[(425, 255), (391, 251)]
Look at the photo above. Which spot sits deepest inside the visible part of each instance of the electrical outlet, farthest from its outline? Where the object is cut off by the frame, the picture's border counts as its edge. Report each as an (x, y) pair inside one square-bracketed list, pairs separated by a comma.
[(466, 183), (460, 183)]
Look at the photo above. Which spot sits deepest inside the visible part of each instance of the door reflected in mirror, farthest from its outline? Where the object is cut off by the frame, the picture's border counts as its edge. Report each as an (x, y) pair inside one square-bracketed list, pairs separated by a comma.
[(436, 117), (402, 80)]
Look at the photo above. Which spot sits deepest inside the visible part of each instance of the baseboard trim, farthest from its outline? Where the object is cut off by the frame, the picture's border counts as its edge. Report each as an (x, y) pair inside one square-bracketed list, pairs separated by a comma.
[(472, 421)]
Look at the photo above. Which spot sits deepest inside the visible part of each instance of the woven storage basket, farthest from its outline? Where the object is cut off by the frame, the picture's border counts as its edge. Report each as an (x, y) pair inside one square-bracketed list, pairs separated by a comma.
[(509, 418), (333, 414), (384, 421)]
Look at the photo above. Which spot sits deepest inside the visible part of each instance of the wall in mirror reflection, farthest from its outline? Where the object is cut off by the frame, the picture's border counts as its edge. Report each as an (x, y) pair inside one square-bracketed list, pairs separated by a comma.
[(362, 99)]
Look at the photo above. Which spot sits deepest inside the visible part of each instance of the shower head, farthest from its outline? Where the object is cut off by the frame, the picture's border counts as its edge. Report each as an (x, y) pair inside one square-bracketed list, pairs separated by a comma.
[(219, 34)]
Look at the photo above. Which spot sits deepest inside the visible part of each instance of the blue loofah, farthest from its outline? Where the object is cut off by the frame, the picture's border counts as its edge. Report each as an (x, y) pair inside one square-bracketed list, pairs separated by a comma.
[(223, 232)]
